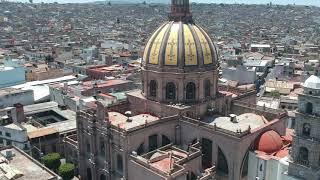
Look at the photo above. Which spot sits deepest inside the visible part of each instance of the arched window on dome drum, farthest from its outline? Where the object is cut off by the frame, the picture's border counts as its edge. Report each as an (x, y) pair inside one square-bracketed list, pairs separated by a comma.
[(303, 156), (190, 91), (306, 129), (309, 108), (153, 88), (170, 91), (207, 88)]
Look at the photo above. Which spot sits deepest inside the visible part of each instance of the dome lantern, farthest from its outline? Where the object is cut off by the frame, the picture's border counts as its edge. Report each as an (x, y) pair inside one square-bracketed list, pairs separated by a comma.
[(180, 11)]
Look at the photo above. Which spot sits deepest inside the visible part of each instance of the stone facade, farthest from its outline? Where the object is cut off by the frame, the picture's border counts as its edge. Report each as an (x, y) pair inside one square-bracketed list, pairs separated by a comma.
[(306, 142), (102, 144), (174, 118)]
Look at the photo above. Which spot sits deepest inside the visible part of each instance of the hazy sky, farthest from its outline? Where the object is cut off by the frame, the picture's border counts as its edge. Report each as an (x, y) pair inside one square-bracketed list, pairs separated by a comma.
[(300, 2)]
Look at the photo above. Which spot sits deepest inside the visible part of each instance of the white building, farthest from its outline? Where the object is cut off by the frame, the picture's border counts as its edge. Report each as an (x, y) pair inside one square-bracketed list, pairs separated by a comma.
[(11, 73), (270, 159), (11, 130), (241, 74), (11, 96)]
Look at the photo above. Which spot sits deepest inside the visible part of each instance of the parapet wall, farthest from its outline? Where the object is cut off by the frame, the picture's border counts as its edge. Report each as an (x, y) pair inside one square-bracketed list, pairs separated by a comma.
[(239, 107)]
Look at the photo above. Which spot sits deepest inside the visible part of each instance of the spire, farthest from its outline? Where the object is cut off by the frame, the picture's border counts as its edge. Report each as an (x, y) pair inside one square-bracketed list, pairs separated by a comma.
[(180, 11)]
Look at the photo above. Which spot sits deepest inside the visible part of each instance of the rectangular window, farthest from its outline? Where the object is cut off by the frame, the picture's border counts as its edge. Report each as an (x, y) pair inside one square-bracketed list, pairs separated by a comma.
[(8, 134), (1, 141), (9, 143), (0, 133)]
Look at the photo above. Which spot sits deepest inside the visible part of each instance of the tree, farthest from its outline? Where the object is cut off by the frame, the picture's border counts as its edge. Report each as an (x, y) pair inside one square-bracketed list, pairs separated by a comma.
[(66, 171), (52, 161), (275, 94)]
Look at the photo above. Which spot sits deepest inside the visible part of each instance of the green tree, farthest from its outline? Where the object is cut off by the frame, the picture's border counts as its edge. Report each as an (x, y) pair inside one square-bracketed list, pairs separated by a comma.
[(52, 161), (66, 171), (275, 94)]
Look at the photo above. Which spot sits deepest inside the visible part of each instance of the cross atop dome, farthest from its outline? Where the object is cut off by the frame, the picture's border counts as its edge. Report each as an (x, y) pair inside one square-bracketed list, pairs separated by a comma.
[(180, 11)]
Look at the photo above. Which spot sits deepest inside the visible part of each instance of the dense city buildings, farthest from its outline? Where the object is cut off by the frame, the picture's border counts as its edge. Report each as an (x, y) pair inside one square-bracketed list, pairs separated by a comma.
[(150, 91)]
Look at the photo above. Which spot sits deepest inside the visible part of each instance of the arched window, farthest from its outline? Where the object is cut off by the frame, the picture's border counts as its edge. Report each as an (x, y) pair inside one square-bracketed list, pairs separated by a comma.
[(153, 88), (207, 88), (245, 165), (170, 91), (153, 142), (89, 175), (206, 147), (304, 155), (102, 148), (309, 108), (191, 176), (222, 162), (140, 149), (103, 177), (306, 129), (119, 163), (191, 91), (165, 140), (88, 147)]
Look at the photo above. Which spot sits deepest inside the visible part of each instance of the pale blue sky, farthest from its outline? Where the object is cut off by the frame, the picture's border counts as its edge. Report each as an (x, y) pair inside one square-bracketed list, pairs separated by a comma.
[(300, 2)]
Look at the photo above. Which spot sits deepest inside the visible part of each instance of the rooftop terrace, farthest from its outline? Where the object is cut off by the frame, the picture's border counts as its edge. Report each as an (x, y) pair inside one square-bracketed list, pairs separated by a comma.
[(21, 166), (130, 123)]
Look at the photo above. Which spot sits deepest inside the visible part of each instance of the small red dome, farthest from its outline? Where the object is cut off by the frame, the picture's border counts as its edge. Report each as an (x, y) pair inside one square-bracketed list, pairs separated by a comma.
[(269, 142)]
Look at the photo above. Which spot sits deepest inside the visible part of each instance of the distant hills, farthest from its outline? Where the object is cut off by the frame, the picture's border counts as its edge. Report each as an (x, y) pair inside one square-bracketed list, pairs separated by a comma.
[(282, 2), (133, 1)]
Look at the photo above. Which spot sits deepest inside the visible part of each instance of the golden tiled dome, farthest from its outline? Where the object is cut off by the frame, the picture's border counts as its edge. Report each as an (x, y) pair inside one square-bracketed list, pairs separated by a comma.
[(179, 44)]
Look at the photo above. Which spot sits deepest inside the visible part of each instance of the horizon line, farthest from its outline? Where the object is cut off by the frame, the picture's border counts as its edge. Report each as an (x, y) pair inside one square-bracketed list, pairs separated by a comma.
[(166, 3)]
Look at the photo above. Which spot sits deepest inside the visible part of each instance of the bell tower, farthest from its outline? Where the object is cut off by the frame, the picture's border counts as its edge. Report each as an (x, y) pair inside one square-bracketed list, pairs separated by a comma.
[(180, 11)]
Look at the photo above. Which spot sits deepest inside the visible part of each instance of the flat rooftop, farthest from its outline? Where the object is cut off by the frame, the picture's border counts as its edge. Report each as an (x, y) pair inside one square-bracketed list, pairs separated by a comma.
[(49, 115), (7, 91), (39, 107), (121, 121), (22, 167), (242, 122), (138, 94)]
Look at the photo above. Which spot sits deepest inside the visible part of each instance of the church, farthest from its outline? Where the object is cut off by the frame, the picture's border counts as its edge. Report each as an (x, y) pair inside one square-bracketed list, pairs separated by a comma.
[(181, 124)]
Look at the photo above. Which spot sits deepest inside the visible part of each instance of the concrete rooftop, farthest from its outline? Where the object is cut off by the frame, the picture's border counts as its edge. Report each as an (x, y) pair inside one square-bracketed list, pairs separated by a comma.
[(23, 167), (242, 123)]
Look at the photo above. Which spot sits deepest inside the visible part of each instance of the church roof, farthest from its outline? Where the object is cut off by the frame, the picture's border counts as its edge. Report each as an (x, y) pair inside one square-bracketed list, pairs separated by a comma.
[(180, 44), (269, 142), (313, 82)]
